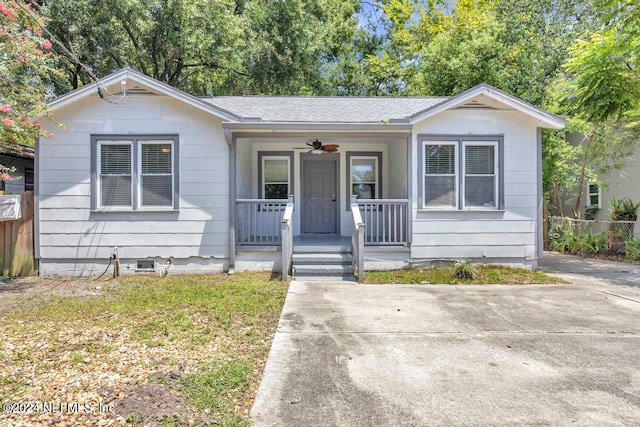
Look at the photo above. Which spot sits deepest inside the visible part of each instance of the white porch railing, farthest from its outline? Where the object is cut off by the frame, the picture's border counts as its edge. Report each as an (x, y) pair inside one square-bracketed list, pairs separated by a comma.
[(258, 221), (357, 240), (386, 221), (286, 232)]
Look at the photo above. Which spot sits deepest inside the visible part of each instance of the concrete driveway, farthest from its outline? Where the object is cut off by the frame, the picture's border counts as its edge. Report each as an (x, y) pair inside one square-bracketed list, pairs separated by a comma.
[(378, 355)]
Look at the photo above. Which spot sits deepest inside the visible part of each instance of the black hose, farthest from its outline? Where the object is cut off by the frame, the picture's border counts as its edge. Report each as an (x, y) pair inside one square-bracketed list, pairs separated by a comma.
[(105, 270)]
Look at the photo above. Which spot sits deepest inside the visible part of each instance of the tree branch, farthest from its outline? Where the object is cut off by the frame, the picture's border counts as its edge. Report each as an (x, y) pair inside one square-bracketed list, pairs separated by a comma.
[(220, 67), (135, 43)]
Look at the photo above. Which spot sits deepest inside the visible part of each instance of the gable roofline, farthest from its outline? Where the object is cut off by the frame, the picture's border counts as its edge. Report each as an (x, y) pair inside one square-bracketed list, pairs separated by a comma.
[(156, 85), (550, 119)]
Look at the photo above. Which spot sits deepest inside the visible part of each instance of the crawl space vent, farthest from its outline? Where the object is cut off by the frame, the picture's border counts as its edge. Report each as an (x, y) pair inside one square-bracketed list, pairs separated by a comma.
[(145, 264)]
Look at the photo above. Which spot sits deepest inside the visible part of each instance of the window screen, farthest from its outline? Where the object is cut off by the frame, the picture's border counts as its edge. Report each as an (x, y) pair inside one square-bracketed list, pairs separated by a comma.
[(364, 178), (594, 196), (115, 174), (480, 176), (156, 174), (276, 178), (440, 175)]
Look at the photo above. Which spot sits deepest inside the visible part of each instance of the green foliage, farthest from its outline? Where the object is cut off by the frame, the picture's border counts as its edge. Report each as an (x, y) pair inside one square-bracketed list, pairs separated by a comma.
[(26, 75), (211, 388), (604, 67), (624, 210), (487, 274), (632, 248), (188, 314), (591, 212), (463, 269), (560, 169), (600, 88), (208, 48), (568, 237)]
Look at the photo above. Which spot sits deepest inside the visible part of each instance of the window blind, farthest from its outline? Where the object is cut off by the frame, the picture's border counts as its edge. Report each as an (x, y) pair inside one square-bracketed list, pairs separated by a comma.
[(156, 171), (480, 176), (115, 171), (440, 175)]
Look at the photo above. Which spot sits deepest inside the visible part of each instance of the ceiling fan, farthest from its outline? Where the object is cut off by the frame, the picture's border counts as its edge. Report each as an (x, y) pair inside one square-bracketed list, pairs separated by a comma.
[(317, 147)]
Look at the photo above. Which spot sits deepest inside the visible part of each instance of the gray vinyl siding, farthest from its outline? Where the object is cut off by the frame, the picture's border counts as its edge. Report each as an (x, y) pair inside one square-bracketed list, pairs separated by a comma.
[(70, 230), (507, 234)]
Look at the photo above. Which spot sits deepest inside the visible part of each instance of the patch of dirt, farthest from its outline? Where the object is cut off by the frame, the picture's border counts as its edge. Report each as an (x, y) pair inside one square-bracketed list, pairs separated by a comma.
[(152, 403), (20, 292)]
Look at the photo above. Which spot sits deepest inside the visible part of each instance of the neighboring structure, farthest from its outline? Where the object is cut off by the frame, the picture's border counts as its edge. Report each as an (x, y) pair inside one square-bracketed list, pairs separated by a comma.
[(203, 182), (21, 158), (617, 184)]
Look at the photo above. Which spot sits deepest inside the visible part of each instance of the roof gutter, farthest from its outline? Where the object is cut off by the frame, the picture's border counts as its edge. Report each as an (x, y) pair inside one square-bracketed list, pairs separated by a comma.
[(318, 127)]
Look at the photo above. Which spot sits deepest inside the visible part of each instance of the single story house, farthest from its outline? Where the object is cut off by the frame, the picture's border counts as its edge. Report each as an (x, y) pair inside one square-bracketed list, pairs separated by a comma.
[(186, 184), (19, 157)]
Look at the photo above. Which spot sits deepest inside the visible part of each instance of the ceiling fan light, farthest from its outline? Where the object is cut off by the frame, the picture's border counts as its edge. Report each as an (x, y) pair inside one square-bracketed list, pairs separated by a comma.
[(316, 152)]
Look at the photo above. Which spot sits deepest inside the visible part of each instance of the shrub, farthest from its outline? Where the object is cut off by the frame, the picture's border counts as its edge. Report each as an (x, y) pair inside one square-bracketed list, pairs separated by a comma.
[(632, 249), (566, 236), (621, 210), (624, 210), (592, 244), (463, 269)]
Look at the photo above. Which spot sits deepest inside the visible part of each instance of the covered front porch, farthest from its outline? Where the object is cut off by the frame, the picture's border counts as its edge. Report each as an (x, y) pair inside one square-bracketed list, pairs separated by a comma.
[(286, 193)]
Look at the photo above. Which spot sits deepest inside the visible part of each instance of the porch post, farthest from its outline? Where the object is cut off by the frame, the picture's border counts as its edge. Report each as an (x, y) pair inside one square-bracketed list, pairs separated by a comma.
[(231, 141), (410, 177)]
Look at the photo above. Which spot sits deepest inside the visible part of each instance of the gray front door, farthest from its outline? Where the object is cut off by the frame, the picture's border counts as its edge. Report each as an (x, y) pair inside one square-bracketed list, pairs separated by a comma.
[(319, 201)]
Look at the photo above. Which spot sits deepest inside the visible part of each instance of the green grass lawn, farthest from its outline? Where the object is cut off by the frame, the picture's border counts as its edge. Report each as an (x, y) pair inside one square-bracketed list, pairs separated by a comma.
[(487, 275), (159, 350)]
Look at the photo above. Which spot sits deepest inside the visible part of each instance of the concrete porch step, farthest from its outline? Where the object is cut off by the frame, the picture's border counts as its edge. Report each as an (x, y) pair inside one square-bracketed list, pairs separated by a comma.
[(322, 258), (321, 270), (330, 249), (343, 278)]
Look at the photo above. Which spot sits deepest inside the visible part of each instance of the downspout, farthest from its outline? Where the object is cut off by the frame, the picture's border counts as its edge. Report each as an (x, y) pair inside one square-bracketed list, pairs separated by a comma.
[(539, 199), (36, 204), (231, 142), (410, 176)]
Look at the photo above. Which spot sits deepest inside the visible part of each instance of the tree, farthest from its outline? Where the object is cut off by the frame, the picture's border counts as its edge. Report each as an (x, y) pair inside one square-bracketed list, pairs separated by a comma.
[(26, 75), (602, 89), (207, 48)]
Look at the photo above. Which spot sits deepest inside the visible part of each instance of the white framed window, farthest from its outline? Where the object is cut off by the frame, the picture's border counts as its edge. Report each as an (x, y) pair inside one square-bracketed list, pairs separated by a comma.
[(461, 173), (441, 181), (115, 168), (480, 172), (364, 177), (276, 177), (594, 195), (134, 173), (156, 173)]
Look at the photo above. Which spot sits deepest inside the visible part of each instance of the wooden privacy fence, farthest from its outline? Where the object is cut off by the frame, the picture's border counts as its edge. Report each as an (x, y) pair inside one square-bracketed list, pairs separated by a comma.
[(16, 237)]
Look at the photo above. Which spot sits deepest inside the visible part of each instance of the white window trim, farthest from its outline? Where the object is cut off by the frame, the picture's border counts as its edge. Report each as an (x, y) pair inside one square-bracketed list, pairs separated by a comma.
[(496, 174), (375, 174), (135, 141), (264, 170), (589, 194), (139, 174), (456, 174), (102, 142)]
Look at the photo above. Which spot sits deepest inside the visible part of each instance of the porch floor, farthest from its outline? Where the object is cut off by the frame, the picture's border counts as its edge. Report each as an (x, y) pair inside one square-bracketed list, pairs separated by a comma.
[(321, 240)]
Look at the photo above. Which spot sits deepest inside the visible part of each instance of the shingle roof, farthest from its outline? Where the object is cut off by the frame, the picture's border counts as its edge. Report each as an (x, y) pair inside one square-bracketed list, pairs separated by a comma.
[(323, 109), (16, 150)]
